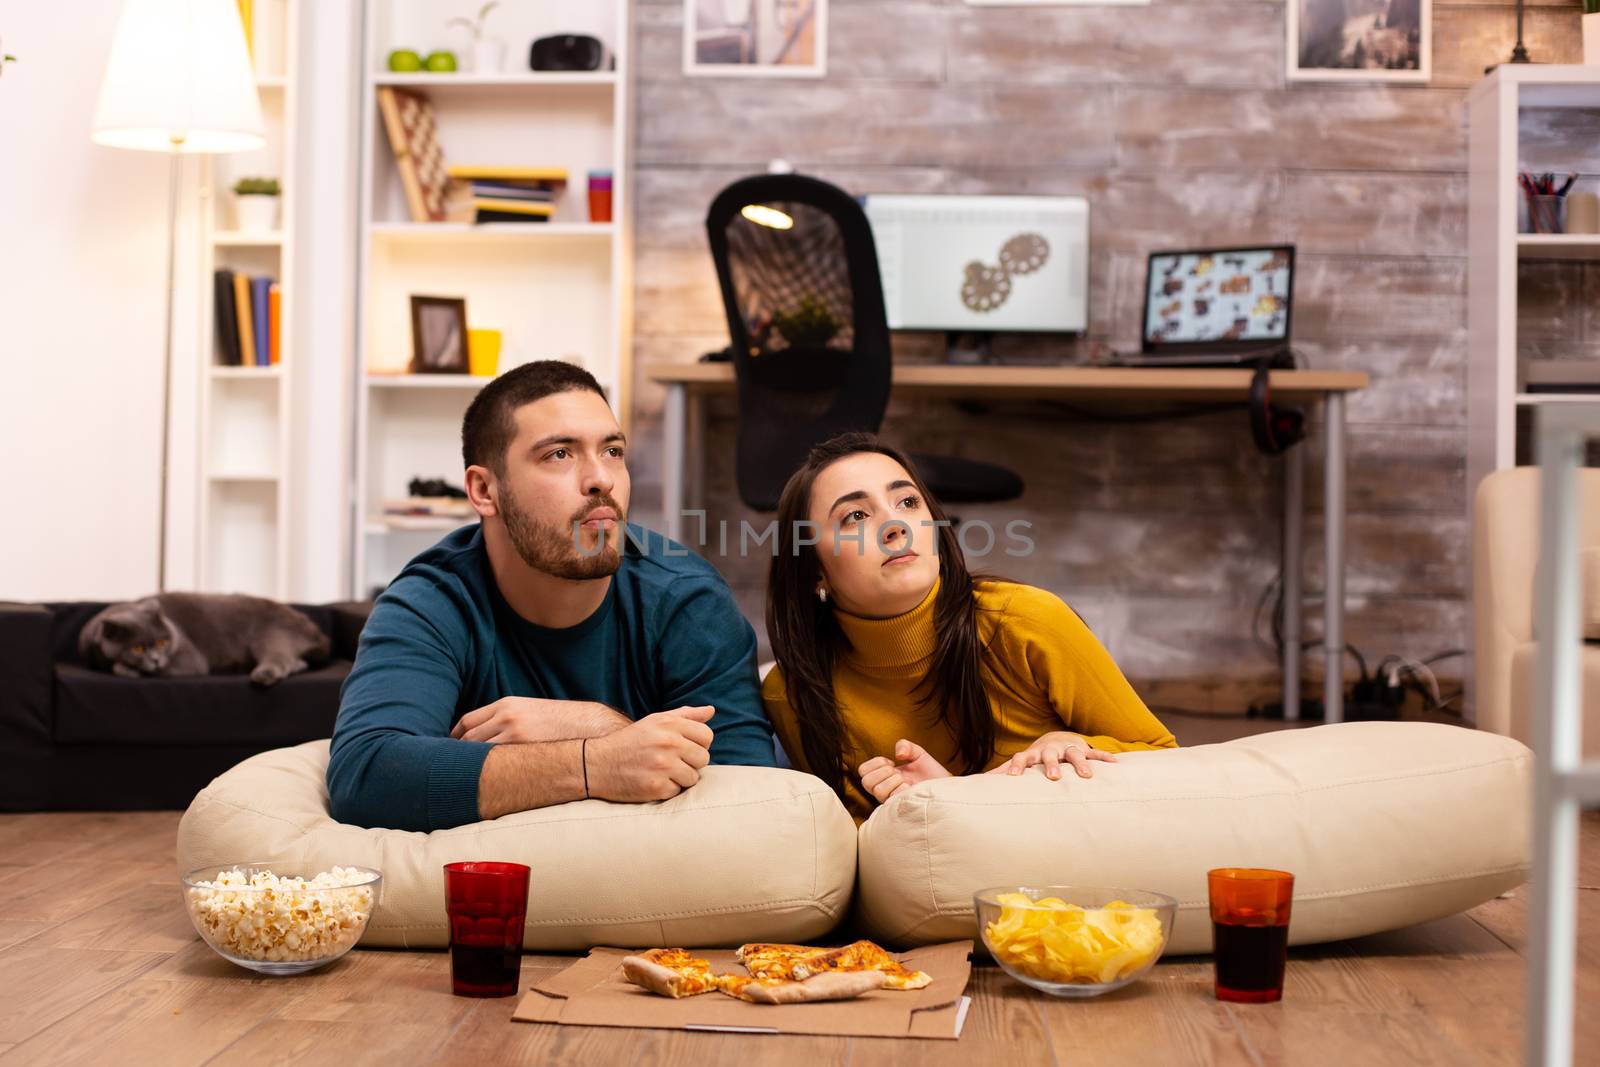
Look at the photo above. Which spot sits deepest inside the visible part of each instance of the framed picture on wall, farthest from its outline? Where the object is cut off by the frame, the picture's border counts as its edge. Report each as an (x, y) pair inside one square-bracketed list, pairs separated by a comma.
[(755, 38), (438, 335), (1360, 40)]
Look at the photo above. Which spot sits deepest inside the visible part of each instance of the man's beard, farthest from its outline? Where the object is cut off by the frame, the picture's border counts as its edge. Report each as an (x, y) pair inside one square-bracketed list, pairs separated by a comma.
[(555, 550)]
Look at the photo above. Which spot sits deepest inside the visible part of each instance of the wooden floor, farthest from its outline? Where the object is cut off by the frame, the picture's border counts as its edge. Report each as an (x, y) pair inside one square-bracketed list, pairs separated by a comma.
[(98, 963)]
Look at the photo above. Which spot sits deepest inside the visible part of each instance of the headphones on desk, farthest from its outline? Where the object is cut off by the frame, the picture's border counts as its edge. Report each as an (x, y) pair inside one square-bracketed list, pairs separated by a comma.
[(1276, 430)]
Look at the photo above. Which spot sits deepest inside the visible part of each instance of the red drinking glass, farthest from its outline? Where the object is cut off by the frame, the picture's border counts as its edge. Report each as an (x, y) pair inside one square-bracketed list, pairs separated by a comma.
[(1250, 932), (488, 906), (600, 196)]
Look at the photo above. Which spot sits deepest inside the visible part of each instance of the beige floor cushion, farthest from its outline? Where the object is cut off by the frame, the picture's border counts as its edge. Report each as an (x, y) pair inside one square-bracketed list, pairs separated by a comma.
[(1382, 824), (748, 854)]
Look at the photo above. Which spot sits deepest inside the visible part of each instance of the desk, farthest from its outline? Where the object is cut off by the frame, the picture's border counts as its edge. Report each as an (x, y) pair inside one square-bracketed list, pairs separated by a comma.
[(688, 383)]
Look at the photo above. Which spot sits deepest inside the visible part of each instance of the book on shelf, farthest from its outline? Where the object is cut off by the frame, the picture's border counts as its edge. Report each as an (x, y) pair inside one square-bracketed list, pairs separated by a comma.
[(247, 19), (248, 314), (513, 191), (274, 323), (485, 210), (227, 320), (247, 325), (424, 511), (260, 288), (516, 175)]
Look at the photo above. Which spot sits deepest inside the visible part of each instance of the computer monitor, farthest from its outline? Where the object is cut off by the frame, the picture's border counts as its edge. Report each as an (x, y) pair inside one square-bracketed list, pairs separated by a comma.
[(1218, 300), (983, 263)]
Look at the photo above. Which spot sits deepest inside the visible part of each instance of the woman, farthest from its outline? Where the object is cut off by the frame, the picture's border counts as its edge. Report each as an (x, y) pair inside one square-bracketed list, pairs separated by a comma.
[(896, 665)]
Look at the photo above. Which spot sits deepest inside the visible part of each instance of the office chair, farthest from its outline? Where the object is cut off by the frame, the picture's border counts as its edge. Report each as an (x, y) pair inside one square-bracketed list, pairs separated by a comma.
[(810, 351)]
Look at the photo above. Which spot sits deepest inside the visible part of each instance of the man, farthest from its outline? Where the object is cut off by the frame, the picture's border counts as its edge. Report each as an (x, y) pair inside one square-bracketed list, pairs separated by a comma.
[(550, 653)]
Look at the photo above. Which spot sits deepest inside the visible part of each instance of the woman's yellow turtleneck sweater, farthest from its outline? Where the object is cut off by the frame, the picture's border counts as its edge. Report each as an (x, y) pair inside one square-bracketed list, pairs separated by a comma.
[(1053, 675)]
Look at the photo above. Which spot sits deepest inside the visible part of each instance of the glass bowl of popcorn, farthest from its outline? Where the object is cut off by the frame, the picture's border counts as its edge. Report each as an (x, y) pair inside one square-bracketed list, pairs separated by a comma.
[(280, 924), (1073, 940)]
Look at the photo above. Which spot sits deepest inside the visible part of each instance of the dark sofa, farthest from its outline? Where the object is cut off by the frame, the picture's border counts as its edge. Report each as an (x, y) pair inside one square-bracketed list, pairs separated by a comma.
[(76, 739)]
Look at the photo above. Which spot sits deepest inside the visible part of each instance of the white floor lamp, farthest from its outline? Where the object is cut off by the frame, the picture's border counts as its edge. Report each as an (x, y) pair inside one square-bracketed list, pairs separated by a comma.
[(178, 81)]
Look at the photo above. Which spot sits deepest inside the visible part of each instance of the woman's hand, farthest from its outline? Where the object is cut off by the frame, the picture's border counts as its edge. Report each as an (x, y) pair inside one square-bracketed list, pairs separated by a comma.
[(1051, 750), (884, 777)]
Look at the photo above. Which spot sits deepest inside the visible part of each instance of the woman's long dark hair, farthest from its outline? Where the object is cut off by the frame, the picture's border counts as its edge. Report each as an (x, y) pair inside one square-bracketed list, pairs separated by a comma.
[(806, 639)]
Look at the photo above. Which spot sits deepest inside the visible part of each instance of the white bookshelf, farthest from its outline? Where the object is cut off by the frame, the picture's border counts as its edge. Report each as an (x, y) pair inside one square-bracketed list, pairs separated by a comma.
[(1494, 249), (555, 290), (243, 527), (1495, 399)]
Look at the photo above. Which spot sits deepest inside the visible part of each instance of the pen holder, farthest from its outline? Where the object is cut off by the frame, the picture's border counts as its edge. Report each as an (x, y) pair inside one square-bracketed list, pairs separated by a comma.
[(1547, 214), (1583, 213)]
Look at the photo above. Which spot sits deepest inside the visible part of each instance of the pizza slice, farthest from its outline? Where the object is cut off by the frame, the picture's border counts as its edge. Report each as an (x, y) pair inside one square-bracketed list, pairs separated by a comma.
[(670, 972), (801, 962), (834, 985)]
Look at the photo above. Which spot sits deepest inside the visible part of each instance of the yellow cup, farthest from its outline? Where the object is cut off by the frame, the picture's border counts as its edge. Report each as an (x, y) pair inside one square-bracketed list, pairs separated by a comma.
[(483, 352)]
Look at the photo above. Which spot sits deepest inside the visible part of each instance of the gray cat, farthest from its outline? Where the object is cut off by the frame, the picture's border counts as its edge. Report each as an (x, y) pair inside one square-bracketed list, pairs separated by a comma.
[(199, 633)]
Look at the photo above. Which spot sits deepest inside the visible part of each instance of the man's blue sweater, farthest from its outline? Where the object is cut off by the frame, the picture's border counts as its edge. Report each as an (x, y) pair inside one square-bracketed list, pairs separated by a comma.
[(442, 641)]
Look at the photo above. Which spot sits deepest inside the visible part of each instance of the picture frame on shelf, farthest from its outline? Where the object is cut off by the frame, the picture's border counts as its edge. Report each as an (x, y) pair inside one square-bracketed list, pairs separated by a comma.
[(1342, 40), (755, 38), (438, 335)]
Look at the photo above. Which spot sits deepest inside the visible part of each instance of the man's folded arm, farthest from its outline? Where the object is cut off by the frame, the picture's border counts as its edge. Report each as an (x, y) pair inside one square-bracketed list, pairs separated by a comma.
[(393, 763), (521, 777), (708, 656)]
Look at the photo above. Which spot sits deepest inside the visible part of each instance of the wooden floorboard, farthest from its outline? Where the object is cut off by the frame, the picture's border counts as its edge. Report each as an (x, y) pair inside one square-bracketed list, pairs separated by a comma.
[(99, 964)]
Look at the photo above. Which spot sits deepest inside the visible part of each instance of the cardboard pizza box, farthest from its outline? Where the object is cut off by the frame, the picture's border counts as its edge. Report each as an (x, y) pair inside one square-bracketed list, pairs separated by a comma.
[(593, 992)]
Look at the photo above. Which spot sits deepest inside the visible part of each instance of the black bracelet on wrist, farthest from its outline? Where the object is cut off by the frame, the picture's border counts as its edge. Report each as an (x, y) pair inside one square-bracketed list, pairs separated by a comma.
[(583, 754)]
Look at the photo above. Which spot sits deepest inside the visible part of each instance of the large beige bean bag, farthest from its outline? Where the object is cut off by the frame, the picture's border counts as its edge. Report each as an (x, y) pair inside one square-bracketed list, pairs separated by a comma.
[(1382, 824), (748, 854)]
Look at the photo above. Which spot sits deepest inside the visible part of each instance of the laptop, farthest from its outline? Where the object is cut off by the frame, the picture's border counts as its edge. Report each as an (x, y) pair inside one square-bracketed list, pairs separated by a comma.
[(1217, 307)]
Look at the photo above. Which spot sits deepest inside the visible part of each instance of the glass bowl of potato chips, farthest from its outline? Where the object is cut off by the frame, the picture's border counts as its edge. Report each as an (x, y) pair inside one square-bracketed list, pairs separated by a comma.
[(1074, 940)]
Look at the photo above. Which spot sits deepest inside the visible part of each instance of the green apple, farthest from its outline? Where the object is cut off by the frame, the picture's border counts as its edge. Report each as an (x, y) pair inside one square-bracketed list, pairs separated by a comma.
[(440, 62), (404, 61)]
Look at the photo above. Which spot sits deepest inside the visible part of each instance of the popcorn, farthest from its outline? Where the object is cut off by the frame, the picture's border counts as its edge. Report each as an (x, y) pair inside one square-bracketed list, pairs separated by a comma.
[(263, 917)]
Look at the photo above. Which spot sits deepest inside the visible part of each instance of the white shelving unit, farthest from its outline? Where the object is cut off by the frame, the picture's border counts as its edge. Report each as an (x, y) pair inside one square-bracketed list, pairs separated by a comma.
[(555, 290), (243, 535), (1494, 249), (1495, 399)]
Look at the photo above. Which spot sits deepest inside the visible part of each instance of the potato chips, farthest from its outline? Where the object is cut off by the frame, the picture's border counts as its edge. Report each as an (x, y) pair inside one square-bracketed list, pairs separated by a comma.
[(1052, 940)]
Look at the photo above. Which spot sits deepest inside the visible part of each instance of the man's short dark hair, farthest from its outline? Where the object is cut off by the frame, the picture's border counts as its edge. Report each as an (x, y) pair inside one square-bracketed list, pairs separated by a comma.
[(491, 421)]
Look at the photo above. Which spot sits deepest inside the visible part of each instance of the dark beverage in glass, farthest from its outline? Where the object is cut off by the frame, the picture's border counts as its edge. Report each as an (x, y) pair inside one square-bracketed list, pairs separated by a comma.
[(1250, 932), (1250, 961), (484, 970), (487, 905)]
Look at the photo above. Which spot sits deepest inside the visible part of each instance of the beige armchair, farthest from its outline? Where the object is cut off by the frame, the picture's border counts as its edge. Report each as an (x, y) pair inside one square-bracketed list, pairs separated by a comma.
[(1505, 549)]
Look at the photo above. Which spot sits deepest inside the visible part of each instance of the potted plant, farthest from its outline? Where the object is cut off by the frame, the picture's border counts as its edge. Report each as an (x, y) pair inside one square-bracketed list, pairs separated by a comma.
[(488, 53), (255, 203), (809, 325), (1591, 32)]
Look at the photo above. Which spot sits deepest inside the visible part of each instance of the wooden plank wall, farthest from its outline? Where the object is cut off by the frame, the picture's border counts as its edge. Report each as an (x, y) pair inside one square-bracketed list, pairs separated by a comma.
[(1176, 122)]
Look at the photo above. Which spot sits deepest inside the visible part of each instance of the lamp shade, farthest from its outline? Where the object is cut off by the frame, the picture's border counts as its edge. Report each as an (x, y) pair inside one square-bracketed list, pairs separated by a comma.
[(179, 79)]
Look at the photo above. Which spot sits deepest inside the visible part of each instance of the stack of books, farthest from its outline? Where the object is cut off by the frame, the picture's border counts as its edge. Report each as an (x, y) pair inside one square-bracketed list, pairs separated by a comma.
[(249, 319), (509, 194), (427, 512)]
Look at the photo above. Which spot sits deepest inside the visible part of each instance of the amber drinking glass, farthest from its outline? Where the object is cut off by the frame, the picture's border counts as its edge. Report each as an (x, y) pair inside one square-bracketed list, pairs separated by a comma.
[(1250, 931)]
